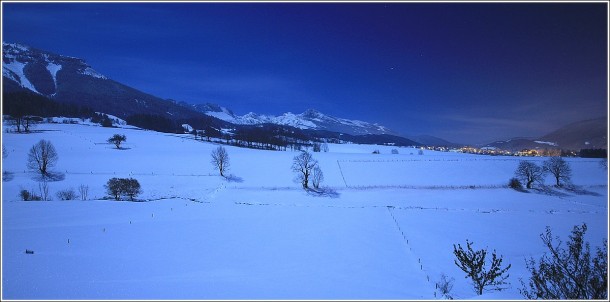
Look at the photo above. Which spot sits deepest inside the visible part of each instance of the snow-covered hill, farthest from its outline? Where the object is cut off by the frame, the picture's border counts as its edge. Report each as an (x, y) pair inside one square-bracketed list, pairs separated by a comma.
[(587, 134), (384, 227)]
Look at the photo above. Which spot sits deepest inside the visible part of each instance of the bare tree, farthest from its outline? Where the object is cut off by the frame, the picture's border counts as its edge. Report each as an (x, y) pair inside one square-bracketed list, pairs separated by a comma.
[(42, 156), (29, 122), (84, 191), (317, 177), (473, 264), (303, 164), (559, 168), (6, 176), (16, 122), (529, 172), (44, 190), (117, 140), (220, 160)]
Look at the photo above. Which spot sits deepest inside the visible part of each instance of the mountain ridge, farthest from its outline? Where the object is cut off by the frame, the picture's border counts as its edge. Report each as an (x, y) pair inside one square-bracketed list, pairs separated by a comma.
[(584, 134), (71, 80), (309, 119)]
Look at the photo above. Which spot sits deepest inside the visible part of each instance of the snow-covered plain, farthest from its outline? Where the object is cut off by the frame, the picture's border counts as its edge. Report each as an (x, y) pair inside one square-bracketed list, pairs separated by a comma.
[(383, 229)]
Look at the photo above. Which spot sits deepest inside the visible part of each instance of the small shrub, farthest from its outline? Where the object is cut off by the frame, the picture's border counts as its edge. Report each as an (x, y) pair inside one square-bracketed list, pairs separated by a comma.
[(27, 195), (420, 152), (67, 194), (376, 152), (394, 151), (514, 183), (445, 286)]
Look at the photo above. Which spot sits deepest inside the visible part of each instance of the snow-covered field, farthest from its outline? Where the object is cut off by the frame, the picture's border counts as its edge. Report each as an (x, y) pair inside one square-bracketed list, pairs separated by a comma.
[(384, 229)]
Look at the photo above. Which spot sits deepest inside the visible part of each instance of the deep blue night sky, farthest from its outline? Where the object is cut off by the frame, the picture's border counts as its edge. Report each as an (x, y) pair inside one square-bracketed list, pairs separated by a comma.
[(469, 73)]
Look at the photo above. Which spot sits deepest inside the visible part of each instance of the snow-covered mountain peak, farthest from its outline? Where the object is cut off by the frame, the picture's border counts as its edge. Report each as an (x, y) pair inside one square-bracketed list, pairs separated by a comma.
[(312, 113), (37, 70), (15, 46), (309, 119)]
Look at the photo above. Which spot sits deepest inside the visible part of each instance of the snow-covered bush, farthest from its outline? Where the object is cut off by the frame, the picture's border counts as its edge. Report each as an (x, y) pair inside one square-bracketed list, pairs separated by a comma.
[(445, 286), (394, 151), (376, 151), (474, 265), (67, 194), (571, 273), (27, 195), (514, 183)]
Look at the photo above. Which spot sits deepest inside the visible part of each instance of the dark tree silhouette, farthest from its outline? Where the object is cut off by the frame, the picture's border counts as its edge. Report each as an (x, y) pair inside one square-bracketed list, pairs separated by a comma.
[(559, 168), (41, 157), (568, 273), (220, 160), (473, 264), (529, 172), (303, 164), (117, 187), (117, 140)]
